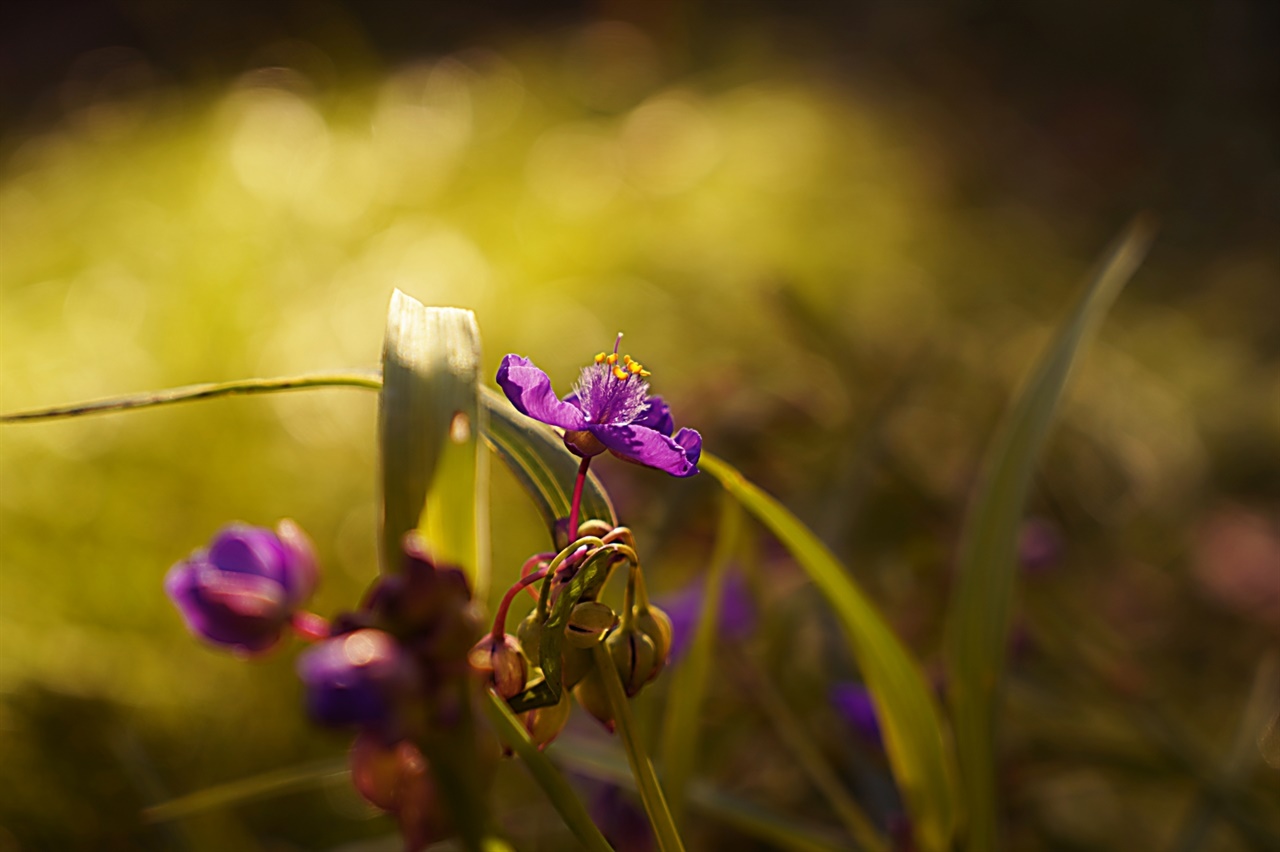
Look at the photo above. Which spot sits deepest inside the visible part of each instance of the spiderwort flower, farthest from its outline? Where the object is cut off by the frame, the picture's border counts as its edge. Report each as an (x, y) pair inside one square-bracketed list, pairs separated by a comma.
[(356, 679), (248, 584), (609, 409)]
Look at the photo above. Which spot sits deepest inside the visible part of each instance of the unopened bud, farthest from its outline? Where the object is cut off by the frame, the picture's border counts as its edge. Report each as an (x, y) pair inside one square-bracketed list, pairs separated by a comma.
[(593, 698), (634, 657), (544, 724), (588, 622), (504, 663), (655, 624)]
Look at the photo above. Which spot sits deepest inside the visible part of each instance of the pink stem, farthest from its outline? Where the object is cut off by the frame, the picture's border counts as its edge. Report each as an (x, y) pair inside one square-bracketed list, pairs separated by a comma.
[(577, 498), (500, 621), (540, 560), (309, 626)]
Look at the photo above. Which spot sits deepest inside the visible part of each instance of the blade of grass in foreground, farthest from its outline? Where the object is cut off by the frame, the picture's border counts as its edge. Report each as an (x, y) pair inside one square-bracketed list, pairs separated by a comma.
[(915, 743), (244, 790), (562, 796), (978, 621)]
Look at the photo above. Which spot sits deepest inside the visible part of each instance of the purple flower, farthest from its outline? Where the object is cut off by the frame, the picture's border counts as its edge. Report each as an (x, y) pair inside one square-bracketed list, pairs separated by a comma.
[(853, 702), (244, 589), (609, 409), (737, 614), (355, 679)]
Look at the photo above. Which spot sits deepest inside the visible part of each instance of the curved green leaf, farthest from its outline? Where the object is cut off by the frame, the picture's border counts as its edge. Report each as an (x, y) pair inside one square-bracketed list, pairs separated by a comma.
[(978, 621), (914, 736), (539, 460)]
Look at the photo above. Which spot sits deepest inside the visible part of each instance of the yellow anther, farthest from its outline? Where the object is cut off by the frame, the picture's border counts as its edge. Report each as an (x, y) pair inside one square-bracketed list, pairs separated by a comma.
[(620, 374), (612, 358), (635, 366), (644, 373), (600, 358)]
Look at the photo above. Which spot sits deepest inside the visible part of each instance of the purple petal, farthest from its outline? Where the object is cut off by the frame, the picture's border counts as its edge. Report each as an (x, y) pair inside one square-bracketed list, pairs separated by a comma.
[(231, 608), (656, 417), (301, 572), (853, 702), (249, 550), (529, 390), (647, 447), (691, 442)]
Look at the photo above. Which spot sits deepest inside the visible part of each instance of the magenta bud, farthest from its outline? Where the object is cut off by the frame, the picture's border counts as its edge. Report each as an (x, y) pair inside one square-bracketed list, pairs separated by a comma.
[(503, 662), (243, 590)]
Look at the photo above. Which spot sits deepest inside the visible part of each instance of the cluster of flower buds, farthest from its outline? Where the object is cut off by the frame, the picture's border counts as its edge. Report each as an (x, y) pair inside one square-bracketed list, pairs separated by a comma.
[(552, 652), (396, 669)]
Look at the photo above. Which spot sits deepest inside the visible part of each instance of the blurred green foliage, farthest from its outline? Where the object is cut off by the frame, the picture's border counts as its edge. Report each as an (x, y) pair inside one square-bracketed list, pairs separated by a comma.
[(800, 266)]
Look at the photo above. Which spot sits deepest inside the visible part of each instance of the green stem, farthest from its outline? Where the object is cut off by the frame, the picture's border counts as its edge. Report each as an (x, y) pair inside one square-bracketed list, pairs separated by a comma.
[(655, 804), (544, 772), (243, 387)]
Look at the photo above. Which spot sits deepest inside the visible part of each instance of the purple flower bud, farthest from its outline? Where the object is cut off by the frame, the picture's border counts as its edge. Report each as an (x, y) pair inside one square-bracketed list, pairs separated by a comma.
[(355, 679), (853, 702), (242, 590)]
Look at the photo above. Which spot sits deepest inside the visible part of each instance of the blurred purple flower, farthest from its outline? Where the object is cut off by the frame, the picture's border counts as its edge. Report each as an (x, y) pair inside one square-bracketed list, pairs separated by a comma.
[(356, 679), (244, 589), (737, 613), (609, 409), (1039, 546), (853, 702)]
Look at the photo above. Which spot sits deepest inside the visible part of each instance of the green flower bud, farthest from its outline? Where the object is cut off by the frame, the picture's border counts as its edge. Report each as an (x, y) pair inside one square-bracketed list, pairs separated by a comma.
[(504, 663), (544, 724), (588, 622), (655, 624), (634, 656), (530, 635), (593, 698)]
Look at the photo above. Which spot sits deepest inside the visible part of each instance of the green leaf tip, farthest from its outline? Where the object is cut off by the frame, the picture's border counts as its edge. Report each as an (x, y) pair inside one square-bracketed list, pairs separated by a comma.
[(430, 419)]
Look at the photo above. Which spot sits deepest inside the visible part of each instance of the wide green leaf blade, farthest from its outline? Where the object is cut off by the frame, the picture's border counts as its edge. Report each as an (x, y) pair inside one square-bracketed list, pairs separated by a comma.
[(978, 621), (539, 460), (435, 481), (914, 737), (429, 422)]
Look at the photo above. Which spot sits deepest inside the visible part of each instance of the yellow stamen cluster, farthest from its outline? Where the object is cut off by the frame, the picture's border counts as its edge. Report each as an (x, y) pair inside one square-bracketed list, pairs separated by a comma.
[(627, 369)]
